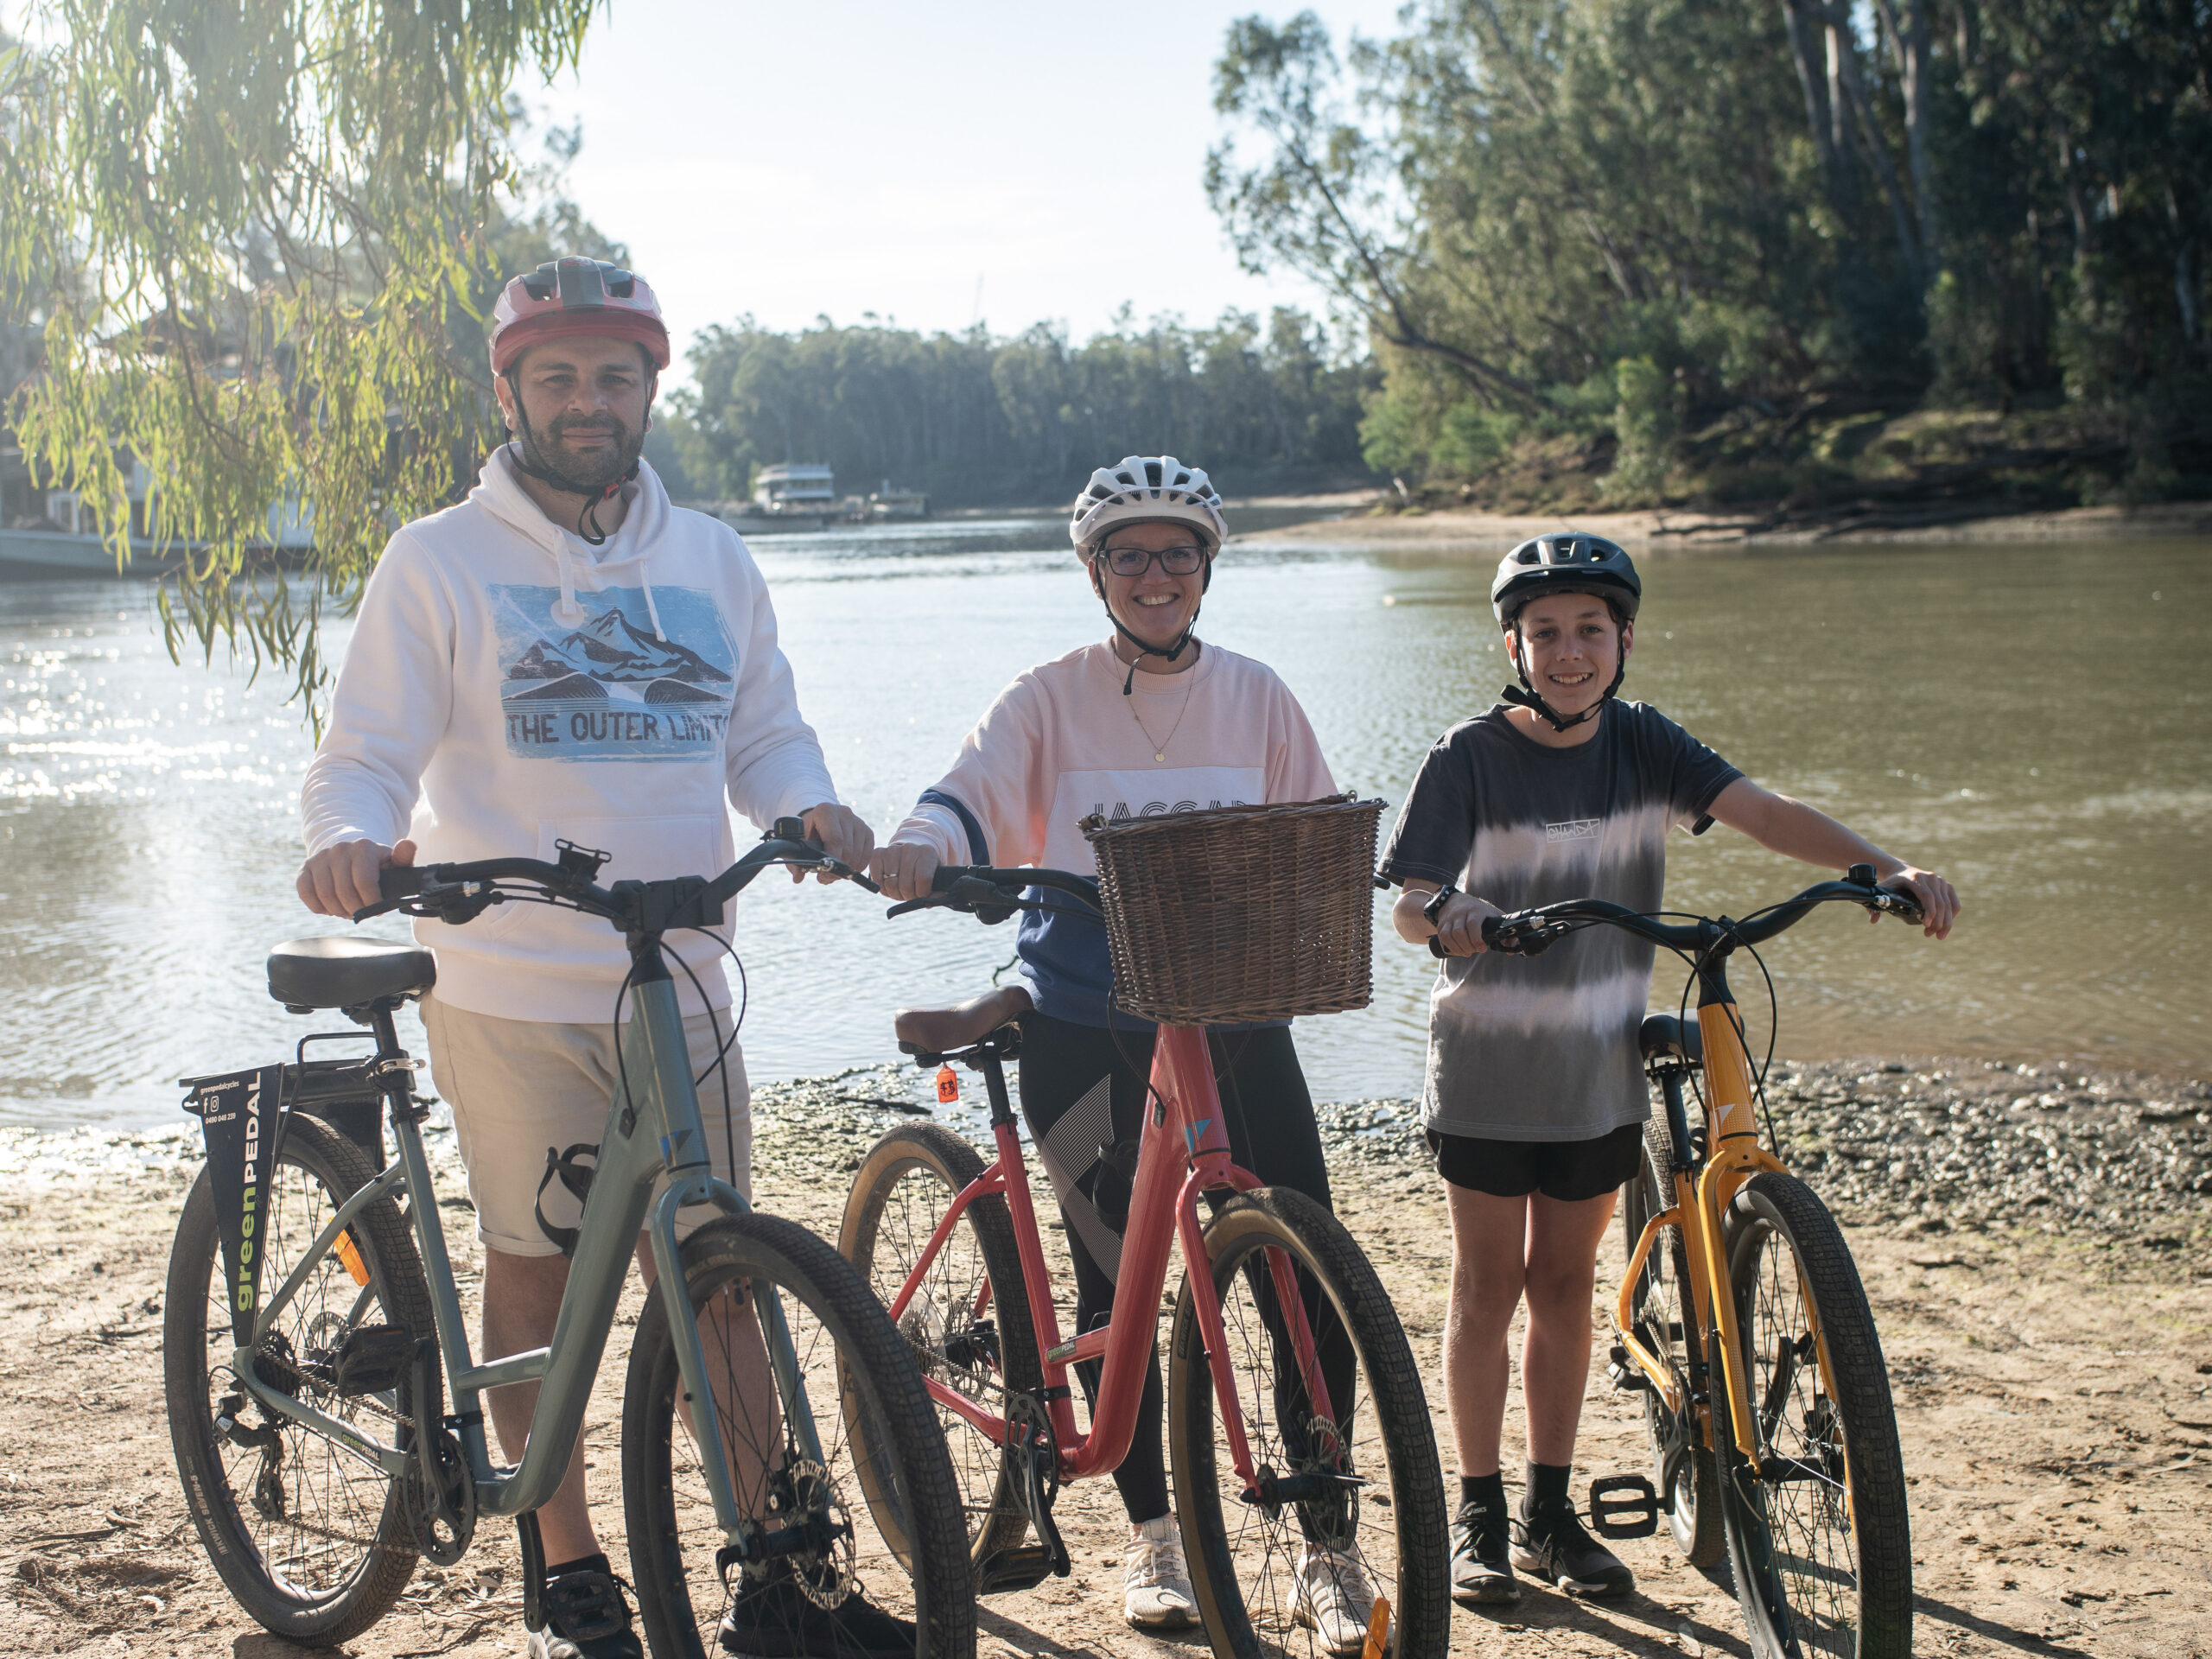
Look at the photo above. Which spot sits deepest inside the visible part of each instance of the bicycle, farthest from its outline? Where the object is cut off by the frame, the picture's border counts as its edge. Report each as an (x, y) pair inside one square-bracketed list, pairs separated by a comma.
[(1274, 1292), (1795, 1476), (317, 1457)]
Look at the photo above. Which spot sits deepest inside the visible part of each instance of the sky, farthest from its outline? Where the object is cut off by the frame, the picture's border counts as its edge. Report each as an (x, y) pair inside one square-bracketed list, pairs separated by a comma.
[(937, 165)]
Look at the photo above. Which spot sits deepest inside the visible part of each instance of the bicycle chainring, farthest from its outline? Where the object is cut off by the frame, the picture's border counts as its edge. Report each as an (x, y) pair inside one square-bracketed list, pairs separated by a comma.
[(1029, 1432), (441, 1530)]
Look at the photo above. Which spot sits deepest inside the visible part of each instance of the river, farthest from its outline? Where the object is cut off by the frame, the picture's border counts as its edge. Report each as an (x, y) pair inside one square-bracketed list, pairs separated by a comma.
[(2033, 720)]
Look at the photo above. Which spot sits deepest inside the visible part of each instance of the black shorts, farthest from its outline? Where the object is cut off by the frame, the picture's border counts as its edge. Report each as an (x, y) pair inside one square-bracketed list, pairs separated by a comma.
[(1569, 1171)]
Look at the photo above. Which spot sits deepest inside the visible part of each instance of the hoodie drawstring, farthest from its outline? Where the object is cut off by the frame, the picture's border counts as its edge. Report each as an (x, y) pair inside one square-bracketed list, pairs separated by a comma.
[(568, 613), (652, 612)]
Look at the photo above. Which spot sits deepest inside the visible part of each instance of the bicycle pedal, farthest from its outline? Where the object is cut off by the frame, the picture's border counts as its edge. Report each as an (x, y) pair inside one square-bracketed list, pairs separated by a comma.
[(373, 1359), (1634, 1516), (1626, 1375), (1022, 1568)]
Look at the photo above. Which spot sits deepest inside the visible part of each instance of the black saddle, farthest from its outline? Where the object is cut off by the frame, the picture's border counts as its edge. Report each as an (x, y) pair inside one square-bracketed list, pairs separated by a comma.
[(1664, 1036), (338, 972)]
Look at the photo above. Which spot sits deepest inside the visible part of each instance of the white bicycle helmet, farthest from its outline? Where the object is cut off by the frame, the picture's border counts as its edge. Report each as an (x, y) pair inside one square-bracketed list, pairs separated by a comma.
[(1140, 489)]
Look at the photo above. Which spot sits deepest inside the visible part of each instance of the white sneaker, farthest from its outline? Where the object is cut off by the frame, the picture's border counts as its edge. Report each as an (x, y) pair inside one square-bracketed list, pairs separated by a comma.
[(1156, 1593), (1334, 1599)]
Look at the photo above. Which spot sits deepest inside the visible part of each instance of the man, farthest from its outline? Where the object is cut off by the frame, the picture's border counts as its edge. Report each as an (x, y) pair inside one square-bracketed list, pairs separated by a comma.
[(565, 655)]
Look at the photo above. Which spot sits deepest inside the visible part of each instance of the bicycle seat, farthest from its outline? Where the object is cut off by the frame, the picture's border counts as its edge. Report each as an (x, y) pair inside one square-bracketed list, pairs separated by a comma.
[(338, 972), (941, 1031), (1665, 1035)]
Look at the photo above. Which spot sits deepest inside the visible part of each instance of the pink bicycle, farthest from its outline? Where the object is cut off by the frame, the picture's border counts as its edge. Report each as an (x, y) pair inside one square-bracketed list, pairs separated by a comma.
[(1270, 1464)]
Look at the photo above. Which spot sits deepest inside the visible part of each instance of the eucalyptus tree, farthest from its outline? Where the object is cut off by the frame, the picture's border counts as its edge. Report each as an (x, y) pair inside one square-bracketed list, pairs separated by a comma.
[(254, 224)]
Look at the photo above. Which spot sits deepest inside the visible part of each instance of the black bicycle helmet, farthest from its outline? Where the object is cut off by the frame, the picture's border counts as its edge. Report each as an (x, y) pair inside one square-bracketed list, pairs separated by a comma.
[(1562, 564)]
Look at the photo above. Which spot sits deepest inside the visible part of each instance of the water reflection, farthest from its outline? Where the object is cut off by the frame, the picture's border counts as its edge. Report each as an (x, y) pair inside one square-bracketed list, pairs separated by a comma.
[(2026, 719)]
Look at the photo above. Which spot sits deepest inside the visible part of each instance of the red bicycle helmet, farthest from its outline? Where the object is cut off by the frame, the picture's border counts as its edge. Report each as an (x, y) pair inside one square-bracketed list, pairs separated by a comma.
[(567, 297)]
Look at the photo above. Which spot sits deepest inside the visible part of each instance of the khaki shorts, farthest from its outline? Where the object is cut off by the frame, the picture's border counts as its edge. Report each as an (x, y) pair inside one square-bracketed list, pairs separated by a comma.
[(519, 1086)]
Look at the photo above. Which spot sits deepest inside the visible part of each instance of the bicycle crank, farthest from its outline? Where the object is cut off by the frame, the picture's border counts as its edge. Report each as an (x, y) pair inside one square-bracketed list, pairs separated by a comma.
[(439, 1490)]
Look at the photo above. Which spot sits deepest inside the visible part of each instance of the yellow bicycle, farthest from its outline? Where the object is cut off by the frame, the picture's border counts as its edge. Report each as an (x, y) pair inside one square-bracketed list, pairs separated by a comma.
[(1783, 1455)]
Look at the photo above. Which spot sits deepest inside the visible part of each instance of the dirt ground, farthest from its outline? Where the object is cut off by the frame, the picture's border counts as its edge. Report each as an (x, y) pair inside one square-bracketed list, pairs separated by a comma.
[(2054, 1389)]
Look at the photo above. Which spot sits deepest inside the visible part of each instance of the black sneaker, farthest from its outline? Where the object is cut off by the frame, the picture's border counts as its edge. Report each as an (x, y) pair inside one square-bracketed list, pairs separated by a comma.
[(586, 1617), (1552, 1545), (1480, 1571), (775, 1620)]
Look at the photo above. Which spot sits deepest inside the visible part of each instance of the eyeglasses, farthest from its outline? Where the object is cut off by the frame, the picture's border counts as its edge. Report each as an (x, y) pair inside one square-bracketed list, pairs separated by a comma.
[(1135, 561)]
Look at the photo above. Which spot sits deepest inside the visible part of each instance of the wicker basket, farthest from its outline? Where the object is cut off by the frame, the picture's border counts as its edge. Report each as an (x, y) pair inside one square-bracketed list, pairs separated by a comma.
[(1241, 914)]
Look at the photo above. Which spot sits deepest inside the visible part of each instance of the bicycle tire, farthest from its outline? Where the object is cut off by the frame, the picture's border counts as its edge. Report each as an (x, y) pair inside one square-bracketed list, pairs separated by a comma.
[(1240, 1555), (320, 1555), (1663, 1317), (1818, 1532), (900, 1193), (845, 1345)]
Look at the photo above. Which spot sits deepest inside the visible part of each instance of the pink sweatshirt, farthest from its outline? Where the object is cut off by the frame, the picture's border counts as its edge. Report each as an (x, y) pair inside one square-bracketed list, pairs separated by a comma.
[(1062, 742)]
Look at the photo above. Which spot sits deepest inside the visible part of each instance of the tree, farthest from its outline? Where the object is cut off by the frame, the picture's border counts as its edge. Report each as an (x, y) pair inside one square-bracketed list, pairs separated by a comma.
[(255, 223)]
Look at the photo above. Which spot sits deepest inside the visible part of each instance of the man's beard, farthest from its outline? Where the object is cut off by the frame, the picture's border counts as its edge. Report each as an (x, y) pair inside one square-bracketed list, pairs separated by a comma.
[(582, 475)]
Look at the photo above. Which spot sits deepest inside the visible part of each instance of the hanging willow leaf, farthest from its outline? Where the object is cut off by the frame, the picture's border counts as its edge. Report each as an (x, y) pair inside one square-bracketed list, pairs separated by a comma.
[(247, 227)]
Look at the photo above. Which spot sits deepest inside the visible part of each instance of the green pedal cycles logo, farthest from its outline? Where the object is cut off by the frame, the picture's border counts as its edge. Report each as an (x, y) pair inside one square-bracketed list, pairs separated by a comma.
[(239, 1115)]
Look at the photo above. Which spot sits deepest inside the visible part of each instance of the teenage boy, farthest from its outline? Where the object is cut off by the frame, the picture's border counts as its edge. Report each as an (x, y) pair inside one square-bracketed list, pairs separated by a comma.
[(1535, 1100)]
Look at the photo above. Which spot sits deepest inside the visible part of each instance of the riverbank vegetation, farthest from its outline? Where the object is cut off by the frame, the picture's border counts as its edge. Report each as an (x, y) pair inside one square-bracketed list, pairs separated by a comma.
[(1923, 253), (974, 419)]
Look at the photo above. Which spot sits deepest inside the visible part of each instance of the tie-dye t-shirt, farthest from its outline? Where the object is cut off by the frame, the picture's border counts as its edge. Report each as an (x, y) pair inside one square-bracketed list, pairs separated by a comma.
[(1543, 1048)]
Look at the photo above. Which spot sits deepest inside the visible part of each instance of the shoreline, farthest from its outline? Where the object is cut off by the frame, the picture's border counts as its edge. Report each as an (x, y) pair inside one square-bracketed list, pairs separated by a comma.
[(1472, 529), (2067, 1146)]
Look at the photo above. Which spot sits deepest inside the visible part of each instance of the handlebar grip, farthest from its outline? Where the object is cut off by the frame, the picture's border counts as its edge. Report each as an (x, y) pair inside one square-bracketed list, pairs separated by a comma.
[(402, 881)]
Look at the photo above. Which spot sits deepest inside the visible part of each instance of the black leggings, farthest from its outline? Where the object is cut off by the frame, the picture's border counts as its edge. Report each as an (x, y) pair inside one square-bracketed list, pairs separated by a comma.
[(1083, 1090)]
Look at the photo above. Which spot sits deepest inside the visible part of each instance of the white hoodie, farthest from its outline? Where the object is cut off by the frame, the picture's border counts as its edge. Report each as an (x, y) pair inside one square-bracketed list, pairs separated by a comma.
[(509, 684)]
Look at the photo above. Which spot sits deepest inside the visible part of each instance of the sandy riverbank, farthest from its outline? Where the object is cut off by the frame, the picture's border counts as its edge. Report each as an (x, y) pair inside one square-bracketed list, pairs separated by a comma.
[(1474, 530), (2037, 1243)]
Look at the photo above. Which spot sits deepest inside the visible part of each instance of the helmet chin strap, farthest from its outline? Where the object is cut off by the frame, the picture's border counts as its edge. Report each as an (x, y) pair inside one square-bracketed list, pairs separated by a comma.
[(594, 494), (1525, 694), (1170, 652)]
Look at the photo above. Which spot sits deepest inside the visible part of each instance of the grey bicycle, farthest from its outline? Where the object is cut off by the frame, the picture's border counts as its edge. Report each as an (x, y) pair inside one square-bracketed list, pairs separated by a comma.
[(320, 1458)]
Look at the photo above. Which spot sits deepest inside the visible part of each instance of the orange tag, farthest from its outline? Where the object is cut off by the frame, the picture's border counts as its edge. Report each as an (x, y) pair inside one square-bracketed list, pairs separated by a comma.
[(948, 1086), (1378, 1629)]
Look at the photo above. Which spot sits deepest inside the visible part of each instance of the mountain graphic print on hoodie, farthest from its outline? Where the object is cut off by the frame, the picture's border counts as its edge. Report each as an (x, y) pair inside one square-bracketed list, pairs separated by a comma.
[(611, 690), (495, 652)]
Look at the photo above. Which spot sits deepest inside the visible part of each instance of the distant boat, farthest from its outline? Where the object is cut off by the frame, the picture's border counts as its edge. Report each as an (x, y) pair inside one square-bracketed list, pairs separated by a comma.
[(59, 553), (789, 496)]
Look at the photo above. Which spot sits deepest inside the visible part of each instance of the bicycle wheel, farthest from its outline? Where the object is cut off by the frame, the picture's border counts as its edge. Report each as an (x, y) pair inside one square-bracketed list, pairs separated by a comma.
[(1819, 1538), (1384, 1508), (1664, 1318), (817, 1564), (968, 1323), (310, 1537)]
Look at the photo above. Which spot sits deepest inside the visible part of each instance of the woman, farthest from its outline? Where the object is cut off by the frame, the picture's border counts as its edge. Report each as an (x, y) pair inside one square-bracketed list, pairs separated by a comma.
[(1151, 719)]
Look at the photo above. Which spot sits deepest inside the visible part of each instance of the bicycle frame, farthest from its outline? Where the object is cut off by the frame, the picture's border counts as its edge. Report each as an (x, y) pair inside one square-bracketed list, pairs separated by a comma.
[(1163, 1208), (656, 1127), (1700, 1203)]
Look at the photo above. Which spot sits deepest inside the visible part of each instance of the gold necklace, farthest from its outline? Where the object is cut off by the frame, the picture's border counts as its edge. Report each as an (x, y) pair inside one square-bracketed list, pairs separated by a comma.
[(1160, 744)]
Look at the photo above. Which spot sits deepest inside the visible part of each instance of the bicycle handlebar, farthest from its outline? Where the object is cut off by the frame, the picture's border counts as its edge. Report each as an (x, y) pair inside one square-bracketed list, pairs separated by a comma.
[(991, 893), (1530, 932), (459, 892)]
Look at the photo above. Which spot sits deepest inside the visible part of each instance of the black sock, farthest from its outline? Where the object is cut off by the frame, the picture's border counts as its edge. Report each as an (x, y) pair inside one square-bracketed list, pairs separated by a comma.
[(596, 1563), (1487, 1491), (1546, 1489)]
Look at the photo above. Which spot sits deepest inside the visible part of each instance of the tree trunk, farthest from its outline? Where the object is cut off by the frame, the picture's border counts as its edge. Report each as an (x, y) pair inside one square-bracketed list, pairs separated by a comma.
[(1806, 51), (1910, 47)]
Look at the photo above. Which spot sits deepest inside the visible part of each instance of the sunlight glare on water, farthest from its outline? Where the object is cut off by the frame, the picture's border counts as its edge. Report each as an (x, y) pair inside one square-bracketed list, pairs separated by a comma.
[(2029, 720)]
